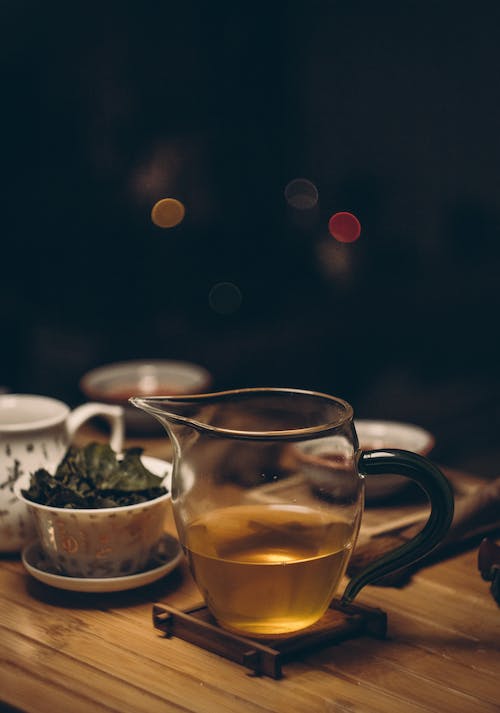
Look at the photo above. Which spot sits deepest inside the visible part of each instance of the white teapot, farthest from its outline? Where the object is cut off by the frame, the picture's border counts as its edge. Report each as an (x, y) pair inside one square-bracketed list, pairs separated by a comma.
[(35, 432)]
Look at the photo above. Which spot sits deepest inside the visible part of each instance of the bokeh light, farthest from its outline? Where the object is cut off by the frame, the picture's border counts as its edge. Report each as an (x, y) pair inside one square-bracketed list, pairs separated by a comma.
[(344, 227), (335, 262), (225, 298), (301, 194), (167, 213)]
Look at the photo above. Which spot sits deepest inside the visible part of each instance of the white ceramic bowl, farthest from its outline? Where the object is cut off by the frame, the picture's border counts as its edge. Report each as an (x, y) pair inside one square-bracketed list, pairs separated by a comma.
[(100, 542), (391, 434), (115, 383)]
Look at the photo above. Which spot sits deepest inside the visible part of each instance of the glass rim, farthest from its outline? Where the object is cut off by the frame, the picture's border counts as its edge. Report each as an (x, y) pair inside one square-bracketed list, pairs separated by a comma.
[(282, 434)]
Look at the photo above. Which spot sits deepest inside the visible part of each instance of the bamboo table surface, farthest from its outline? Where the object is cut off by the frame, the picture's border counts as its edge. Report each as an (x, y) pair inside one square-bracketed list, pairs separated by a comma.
[(66, 651)]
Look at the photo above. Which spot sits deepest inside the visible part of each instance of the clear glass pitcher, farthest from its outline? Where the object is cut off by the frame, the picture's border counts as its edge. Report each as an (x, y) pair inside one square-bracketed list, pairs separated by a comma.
[(267, 492)]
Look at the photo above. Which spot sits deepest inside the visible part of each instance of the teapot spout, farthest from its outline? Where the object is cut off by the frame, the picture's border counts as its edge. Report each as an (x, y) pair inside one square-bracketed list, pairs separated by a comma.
[(171, 410)]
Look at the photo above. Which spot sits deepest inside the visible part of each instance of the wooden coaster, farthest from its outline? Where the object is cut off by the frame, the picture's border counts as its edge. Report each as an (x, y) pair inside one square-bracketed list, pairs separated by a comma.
[(266, 657)]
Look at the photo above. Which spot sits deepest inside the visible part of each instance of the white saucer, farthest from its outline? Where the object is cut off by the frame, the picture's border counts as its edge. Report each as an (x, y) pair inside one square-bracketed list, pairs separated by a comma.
[(167, 558)]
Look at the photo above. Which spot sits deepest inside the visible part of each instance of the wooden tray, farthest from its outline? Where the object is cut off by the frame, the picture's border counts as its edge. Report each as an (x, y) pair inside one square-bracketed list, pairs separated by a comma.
[(340, 622)]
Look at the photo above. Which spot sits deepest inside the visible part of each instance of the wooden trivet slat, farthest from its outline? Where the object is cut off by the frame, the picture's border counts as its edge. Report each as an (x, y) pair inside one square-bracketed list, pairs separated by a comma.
[(266, 657)]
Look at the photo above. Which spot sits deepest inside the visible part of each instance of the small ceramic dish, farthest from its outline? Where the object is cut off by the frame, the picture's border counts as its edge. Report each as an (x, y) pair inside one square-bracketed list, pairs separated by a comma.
[(166, 558), (100, 542), (373, 435), (115, 383)]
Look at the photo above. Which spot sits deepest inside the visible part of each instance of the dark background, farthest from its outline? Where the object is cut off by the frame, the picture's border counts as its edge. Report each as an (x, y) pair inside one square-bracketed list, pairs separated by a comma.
[(392, 110)]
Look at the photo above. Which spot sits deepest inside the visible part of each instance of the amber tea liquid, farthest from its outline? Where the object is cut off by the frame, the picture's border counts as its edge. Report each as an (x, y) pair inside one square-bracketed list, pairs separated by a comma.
[(268, 569)]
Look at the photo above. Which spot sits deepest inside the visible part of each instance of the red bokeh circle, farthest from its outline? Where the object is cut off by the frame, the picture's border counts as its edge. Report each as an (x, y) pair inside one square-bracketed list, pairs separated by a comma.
[(344, 227)]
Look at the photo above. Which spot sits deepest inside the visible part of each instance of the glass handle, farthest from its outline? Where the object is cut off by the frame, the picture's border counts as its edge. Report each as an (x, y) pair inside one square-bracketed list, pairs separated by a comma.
[(440, 495)]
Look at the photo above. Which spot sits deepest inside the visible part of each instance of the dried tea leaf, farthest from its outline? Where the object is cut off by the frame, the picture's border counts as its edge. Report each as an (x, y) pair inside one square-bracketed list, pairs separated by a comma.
[(93, 477), (131, 474)]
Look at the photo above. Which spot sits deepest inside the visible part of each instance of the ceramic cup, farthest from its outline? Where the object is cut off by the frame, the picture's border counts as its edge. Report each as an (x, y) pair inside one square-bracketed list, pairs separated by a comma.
[(35, 432), (98, 542)]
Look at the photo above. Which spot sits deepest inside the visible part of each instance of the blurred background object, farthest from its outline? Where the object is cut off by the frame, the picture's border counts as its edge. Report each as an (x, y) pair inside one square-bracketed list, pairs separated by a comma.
[(260, 121), (489, 565), (391, 434), (116, 383)]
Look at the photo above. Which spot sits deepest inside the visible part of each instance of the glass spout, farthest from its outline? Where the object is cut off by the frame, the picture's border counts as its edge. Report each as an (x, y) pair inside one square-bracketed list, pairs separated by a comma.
[(177, 414), (171, 409)]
